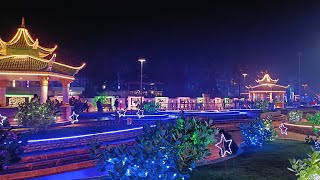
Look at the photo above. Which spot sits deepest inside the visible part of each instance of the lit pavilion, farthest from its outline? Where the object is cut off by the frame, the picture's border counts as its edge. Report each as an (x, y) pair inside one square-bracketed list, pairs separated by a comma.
[(268, 89), (24, 59)]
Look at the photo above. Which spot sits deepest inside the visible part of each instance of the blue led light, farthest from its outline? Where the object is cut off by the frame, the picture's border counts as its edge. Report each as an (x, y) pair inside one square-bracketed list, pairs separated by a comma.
[(87, 135)]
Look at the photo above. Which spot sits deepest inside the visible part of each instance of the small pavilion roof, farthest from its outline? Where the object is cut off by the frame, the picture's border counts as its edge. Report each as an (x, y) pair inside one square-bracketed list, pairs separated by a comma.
[(267, 80), (30, 63), (23, 54), (267, 88), (23, 43)]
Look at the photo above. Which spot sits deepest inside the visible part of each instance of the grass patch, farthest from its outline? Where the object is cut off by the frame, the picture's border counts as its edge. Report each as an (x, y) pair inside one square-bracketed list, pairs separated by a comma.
[(268, 162)]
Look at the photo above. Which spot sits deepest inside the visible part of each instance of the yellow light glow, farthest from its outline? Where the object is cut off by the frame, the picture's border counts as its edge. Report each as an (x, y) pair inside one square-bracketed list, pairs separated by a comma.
[(267, 78), (250, 87), (36, 74), (78, 68), (267, 91), (25, 56), (23, 38), (44, 60), (34, 44)]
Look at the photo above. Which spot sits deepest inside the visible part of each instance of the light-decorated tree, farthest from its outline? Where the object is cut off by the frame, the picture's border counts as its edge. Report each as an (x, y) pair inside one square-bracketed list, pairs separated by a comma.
[(257, 131), (36, 115), (165, 151)]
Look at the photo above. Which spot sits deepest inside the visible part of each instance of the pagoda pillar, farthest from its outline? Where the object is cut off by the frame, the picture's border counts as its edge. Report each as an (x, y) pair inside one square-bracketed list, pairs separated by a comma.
[(3, 85), (271, 99), (65, 108), (44, 82), (65, 90)]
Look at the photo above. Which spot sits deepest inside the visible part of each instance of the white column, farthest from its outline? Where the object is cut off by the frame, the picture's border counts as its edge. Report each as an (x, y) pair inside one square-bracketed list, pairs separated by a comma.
[(65, 90), (44, 81), (271, 99), (3, 84)]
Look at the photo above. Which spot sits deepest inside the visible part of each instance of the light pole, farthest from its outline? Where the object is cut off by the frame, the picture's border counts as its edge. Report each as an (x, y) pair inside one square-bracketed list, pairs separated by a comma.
[(299, 86), (244, 81), (304, 89), (141, 62)]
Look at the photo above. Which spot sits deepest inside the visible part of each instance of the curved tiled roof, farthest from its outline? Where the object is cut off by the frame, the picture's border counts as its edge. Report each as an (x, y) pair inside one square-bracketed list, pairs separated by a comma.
[(23, 53), (19, 63), (61, 69), (22, 40), (267, 79), (30, 63), (267, 87)]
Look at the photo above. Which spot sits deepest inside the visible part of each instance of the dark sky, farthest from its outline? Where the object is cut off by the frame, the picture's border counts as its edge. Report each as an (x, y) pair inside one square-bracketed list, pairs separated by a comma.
[(110, 34)]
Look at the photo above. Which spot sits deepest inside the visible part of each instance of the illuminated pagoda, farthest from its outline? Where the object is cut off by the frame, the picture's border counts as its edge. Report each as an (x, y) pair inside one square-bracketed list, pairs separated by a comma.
[(268, 89), (24, 59)]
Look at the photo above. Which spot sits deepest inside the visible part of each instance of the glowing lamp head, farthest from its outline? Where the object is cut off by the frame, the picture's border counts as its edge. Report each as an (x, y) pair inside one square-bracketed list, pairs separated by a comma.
[(141, 60)]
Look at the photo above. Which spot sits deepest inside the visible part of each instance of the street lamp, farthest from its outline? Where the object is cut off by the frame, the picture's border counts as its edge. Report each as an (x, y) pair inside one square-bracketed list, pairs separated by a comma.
[(244, 81), (141, 62), (304, 86), (304, 89)]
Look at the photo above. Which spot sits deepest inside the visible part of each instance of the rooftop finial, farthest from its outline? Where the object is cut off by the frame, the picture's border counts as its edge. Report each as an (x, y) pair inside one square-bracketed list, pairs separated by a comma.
[(22, 23)]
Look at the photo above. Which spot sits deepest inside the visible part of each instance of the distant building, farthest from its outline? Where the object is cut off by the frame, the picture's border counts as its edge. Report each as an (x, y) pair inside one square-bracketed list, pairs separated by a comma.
[(268, 89), (149, 89)]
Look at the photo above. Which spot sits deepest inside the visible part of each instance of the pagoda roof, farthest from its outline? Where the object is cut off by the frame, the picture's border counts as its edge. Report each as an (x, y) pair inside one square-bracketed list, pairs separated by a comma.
[(267, 88), (23, 43), (267, 80), (23, 55), (27, 63)]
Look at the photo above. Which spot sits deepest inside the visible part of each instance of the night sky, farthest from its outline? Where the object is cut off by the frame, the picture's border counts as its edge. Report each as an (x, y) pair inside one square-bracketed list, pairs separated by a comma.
[(111, 36)]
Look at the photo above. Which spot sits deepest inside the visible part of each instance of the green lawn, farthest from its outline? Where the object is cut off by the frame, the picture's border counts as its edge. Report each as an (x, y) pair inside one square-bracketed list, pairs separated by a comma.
[(269, 162)]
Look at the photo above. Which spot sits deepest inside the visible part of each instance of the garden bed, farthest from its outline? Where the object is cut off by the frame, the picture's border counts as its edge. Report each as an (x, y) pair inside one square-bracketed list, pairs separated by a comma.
[(269, 162)]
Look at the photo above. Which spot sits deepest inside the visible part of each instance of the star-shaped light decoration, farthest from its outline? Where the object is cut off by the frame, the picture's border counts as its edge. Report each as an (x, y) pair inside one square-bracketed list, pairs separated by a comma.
[(140, 113), (74, 117), (223, 151), (283, 129), (2, 118), (122, 113)]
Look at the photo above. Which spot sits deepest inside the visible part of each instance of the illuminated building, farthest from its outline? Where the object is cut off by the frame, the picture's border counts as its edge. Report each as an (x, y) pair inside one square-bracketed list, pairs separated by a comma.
[(23, 59), (268, 89)]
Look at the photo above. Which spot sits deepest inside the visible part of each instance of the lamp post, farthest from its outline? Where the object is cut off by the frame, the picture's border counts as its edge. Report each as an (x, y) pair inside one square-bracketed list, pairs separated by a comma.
[(304, 89), (244, 81), (141, 62), (304, 86), (299, 80)]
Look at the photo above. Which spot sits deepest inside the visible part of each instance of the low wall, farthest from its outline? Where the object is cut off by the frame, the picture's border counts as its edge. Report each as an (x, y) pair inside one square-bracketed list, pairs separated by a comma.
[(79, 141), (301, 129), (266, 114)]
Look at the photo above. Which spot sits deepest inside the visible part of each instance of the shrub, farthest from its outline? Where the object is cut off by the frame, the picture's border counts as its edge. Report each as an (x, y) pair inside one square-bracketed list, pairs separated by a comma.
[(151, 107), (306, 169), (37, 116), (162, 152), (258, 131), (314, 120), (192, 138), (262, 104), (295, 116), (10, 148)]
